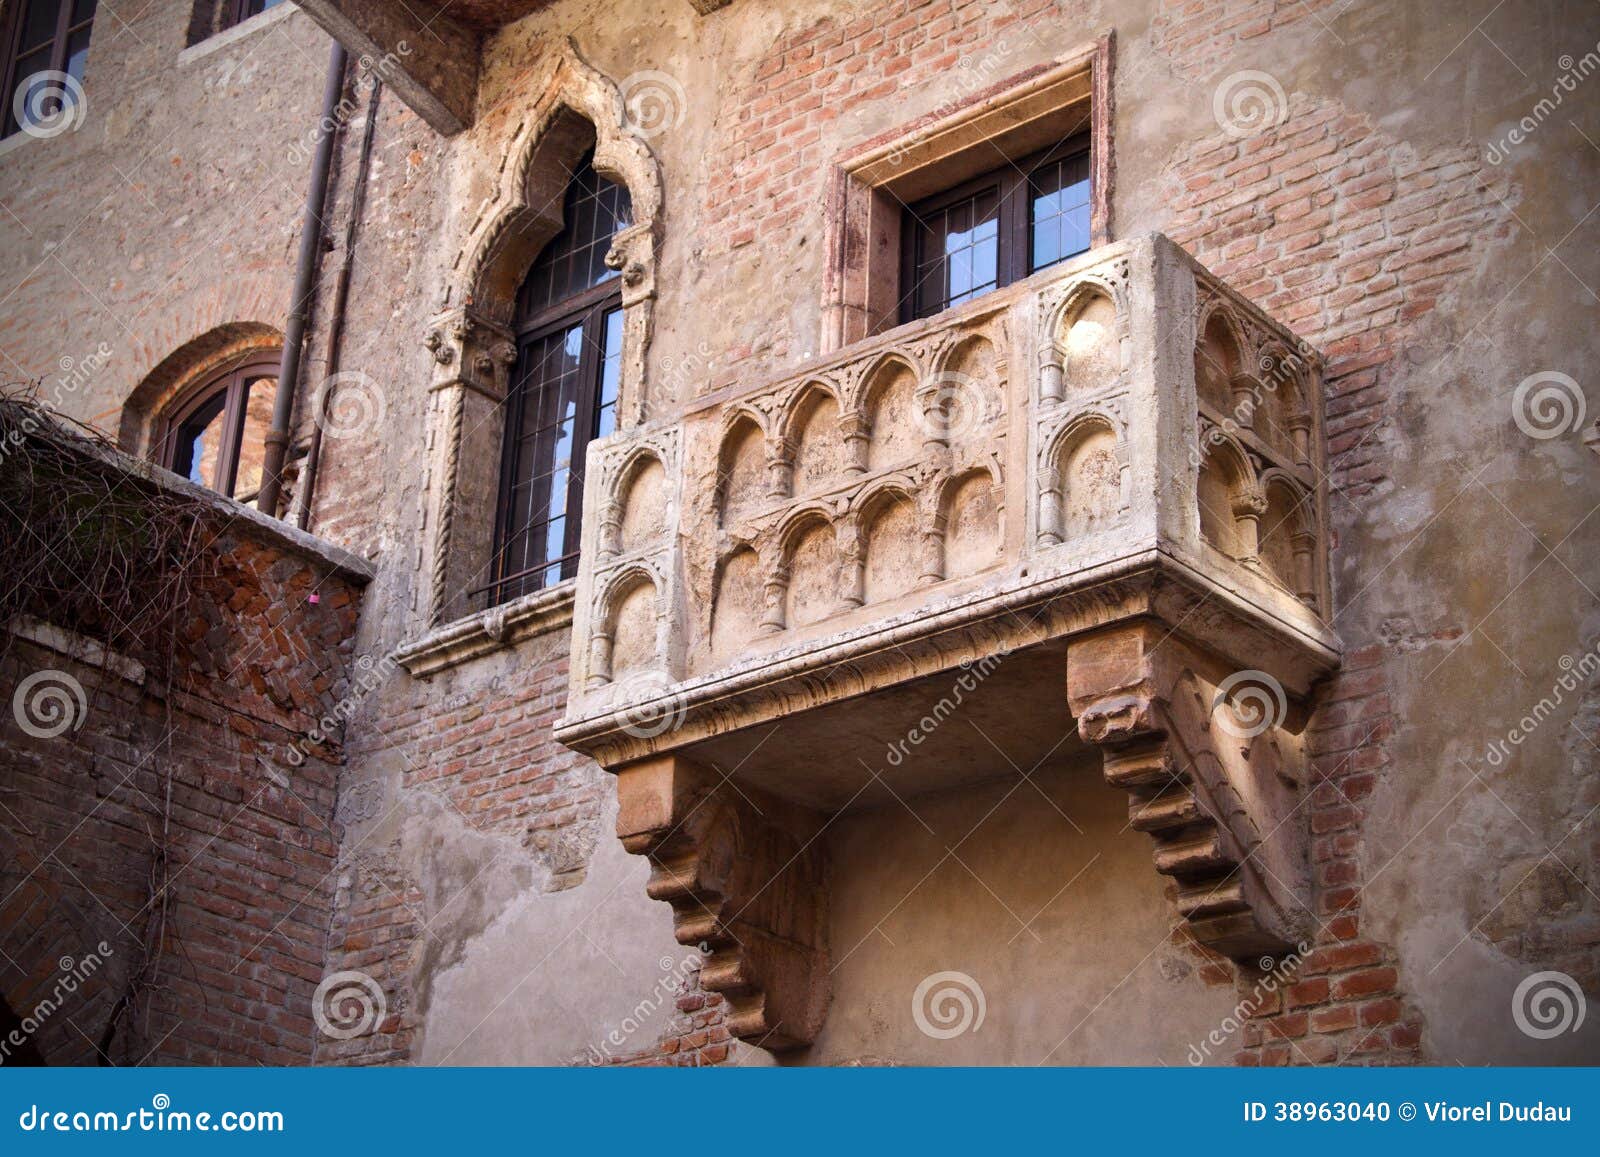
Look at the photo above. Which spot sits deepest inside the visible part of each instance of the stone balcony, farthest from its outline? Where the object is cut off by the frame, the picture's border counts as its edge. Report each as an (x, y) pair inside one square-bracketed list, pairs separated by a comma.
[(1086, 512)]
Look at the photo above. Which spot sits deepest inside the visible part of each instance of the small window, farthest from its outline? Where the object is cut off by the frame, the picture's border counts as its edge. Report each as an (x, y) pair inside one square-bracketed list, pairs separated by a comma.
[(218, 435), (995, 229), (563, 388), (44, 37)]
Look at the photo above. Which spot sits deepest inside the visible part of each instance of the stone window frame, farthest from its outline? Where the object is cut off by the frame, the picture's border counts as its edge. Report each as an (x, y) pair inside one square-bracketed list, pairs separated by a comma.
[(472, 344), (870, 186)]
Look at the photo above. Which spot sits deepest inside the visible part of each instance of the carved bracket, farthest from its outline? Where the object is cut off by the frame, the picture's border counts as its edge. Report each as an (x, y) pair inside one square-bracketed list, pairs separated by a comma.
[(1215, 772), (746, 880)]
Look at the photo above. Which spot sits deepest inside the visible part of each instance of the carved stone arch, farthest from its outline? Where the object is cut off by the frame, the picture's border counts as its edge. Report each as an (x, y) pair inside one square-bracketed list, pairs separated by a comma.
[(637, 508), (966, 531), (1083, 478), (810, 433), (576, 108), (739, 605), (1287, 534), (889, 530), (881, 426), (806, 574), (630, 635), (1107, 351), (1228, 496), (193, 363), (1286, 385), (745, 464), (1221, 353)]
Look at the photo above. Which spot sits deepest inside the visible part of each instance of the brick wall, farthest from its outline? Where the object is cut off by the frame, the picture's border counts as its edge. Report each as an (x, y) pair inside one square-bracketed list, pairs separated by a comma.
[(199, 819)]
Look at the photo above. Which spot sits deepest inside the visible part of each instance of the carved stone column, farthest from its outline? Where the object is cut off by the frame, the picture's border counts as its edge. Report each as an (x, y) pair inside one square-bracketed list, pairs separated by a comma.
[(747, 884), (472, 359), (1214, 768)]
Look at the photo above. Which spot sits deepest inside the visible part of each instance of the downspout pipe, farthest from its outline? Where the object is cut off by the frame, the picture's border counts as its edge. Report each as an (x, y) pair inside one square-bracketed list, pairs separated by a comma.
[(307, 491), (294, 330)]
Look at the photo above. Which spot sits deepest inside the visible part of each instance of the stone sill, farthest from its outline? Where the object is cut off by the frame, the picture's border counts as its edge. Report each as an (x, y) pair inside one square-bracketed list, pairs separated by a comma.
[(488, 631), (349, 566)]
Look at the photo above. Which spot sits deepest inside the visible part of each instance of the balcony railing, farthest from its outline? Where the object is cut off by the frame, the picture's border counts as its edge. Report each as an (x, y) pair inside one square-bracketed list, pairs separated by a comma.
[(877, 512), (1085, 512)]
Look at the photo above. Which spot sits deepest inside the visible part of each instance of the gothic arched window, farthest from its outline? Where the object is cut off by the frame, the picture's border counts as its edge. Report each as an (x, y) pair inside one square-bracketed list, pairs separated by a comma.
[(563, 390)]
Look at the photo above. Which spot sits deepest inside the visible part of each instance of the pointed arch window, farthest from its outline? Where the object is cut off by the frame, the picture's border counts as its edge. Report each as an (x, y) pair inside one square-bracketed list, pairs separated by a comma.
[(564, 388)]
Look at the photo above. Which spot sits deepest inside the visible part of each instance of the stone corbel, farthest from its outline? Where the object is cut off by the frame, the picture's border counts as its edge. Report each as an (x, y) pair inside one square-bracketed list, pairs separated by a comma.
[(1215, 770), (471, 351), (746, 878)]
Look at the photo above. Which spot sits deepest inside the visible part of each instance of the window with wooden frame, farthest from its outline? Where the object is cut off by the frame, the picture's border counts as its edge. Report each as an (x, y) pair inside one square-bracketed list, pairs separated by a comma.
[(563, 391), (43, 37), (1006, 181), (994, 229), (217, 434)]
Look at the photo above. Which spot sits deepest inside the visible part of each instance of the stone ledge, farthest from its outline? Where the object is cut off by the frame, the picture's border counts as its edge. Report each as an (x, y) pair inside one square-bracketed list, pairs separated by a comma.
[(308, 546), (487, 631)]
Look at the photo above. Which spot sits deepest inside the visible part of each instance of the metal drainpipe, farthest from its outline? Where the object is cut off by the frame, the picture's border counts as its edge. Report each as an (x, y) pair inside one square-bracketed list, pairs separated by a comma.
[(294, 330), (341, 293)]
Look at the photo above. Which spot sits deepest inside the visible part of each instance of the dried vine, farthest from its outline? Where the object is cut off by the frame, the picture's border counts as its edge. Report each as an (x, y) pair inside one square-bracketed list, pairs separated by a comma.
[(97, 548)]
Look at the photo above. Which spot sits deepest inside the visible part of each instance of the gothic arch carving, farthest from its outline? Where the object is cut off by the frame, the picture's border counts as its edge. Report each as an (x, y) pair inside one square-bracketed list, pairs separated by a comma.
[(1228, 496), (629, 636), (1083, 478), (577, 107), (1220, 354)]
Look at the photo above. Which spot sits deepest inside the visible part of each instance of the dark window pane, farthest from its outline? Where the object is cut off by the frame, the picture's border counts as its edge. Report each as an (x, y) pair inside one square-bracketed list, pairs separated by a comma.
[(82, 10), (957, 252), (39, 21), (574, 260)]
